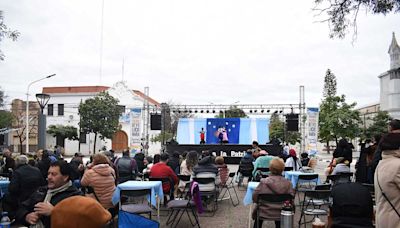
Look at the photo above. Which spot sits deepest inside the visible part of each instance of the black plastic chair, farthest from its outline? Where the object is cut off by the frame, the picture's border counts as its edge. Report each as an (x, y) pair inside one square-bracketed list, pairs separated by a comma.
[(179, 206), (340, 178), (227, 188), (288, 169), (270, 199), (304, 183), (129, 204), (312, 204)]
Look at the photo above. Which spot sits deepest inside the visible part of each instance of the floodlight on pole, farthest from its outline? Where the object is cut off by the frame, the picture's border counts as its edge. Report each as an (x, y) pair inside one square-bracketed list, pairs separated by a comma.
[(27, 111)]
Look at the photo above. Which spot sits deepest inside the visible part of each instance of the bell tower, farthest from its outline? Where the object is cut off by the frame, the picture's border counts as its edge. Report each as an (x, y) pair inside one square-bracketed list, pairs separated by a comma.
[(394, 52)]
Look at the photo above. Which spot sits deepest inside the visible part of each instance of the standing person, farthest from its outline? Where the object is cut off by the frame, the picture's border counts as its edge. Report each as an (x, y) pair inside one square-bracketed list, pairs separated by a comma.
[(293, 160), (225, 139), (387, 182), (126, 166), (9, 162), (202, 136), (361, 165), (76, 164), (286, 150), (37, 209), (370, 159), (101, 177), (344, 150)]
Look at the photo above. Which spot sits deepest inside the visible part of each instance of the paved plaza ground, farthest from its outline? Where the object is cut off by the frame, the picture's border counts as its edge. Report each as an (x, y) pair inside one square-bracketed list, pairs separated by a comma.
[(229, 216)]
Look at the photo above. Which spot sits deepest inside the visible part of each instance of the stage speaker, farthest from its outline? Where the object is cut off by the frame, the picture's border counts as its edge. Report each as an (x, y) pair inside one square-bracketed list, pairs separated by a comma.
[(292, 122), (155, 122)]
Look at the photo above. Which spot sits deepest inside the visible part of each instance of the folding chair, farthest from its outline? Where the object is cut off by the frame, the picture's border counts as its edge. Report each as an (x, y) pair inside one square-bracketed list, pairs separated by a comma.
[(209, 194), (227, 188), (340, 178), (270, 199), (245, 172), (262, 171), (165, 180), (179, 206), (129, 204), (312, 204), (305, 183), (186, 180)]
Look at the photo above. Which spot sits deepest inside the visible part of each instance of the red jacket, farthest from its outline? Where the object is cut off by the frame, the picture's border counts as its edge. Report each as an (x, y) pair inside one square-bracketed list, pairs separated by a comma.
[(163, 170)]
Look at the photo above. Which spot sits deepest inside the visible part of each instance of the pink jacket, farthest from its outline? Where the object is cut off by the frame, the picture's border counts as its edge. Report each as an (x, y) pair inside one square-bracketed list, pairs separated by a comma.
[(102, 179)]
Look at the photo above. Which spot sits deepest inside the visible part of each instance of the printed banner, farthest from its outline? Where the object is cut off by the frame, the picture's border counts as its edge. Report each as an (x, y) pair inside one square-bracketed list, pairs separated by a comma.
[(136, 130), (312, 129)]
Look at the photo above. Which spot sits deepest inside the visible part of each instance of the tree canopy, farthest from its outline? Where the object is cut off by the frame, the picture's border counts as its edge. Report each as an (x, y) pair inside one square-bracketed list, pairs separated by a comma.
[(5, 32), (277, 131), (100, 115), (342, 14), (232, 112), (379, 125), (65, 132), (5, 116)]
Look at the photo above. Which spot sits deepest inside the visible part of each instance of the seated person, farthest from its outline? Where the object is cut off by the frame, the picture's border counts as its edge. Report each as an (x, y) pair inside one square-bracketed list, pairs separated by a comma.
[(262, 162), (275, 183), (352, 206), (246, 165), (206, 169), (38, 208), (341, 166), (162, 170), (304, 159), (223, 170), (293, 161), (101, 177)]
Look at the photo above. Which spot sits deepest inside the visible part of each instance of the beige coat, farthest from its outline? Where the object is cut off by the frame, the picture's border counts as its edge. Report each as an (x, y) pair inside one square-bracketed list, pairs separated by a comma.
[(388, 175), (102, 179)]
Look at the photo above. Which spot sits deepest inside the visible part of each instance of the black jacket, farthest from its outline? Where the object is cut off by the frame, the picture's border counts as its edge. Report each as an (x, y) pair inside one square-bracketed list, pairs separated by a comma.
[(24, 181), (44, 166), (205, 165), (246, 165), (38, 196), (343, 150), (139, 158)]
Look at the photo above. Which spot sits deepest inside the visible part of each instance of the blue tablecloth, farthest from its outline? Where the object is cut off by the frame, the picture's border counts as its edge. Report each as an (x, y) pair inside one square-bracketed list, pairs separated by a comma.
[(248, 198), (155, 186), (4, 187), (293, 176)]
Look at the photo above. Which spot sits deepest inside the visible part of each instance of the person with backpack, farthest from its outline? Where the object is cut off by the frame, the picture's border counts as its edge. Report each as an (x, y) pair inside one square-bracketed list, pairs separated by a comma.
[(126, 167)]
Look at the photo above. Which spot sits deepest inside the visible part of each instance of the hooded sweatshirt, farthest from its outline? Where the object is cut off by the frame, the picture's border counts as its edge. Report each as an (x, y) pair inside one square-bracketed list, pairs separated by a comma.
[(102, 179)]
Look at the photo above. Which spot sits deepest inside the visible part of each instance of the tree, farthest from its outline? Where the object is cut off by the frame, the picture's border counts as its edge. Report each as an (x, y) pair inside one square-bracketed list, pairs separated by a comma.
[(329, 84), (277, 131), (5, 116), (5, 32), (342, 14), (379, 125), (63, 132), (232, 112), (19, 124), (99, 115)]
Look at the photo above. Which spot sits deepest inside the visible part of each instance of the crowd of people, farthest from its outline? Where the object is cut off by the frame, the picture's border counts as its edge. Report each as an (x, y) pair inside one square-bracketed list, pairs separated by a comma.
[(38, 184)]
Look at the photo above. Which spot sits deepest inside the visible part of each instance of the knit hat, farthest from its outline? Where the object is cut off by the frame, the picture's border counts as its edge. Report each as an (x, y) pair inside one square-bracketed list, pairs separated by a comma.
[(79, 211)]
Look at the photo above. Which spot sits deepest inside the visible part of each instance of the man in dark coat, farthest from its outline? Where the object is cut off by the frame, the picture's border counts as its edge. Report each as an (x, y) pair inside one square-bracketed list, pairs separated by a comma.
[(44, 163), (38, 207), (24, 181), (173, 162)]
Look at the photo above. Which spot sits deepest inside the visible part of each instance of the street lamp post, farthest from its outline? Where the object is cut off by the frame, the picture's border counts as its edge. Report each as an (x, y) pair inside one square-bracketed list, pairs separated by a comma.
[(27, 111), (42, 99)]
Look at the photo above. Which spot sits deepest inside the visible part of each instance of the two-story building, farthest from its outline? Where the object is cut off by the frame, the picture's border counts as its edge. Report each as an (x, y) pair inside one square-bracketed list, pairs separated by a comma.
[(62, 109)]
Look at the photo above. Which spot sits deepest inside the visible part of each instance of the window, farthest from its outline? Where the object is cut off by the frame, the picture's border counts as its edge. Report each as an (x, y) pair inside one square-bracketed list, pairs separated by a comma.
[(82, 137), (50, 108), (61, 109)]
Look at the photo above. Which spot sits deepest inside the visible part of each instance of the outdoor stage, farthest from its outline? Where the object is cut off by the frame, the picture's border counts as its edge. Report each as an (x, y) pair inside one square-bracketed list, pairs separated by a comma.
[(232, 153)]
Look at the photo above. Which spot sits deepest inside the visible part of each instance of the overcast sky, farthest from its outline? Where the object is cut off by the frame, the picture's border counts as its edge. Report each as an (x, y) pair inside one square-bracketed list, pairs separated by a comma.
[(193, 52)]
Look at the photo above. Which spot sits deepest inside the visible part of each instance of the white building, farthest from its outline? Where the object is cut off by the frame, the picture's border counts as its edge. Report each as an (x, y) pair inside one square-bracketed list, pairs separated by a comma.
[(62, 109), (390, 83)]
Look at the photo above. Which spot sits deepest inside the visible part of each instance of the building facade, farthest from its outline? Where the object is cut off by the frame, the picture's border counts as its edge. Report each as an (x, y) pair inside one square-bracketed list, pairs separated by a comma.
[(390, 82), (62, 109)]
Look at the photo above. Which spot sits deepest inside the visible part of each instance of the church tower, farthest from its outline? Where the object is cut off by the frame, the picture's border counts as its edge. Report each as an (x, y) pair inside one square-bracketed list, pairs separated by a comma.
[(394, 52), (390, 82)]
